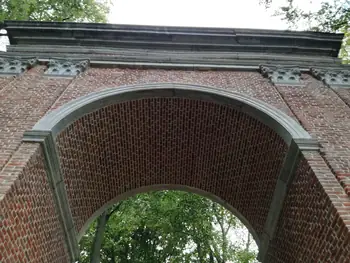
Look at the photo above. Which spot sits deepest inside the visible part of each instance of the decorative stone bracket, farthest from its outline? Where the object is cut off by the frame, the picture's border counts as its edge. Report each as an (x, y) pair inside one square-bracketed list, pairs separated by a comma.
[(332, 77), (66, 68), (281, 75), (15, 65)]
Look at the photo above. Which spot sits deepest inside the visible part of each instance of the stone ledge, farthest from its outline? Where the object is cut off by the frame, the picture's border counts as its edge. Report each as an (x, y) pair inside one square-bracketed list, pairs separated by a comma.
[(173, 38), (247, 61)]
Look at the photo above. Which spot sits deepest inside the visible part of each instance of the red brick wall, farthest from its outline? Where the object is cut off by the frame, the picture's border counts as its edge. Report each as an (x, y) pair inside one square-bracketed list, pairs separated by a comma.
[(249, 83), (26, 98), (343, 93), (326, 117), (315, 220), (4, 81), (23, 102), (29, 227), (237, 158), (170, 141)]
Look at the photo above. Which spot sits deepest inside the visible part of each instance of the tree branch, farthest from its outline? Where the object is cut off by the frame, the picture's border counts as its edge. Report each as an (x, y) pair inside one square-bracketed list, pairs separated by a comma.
[(114, 210)]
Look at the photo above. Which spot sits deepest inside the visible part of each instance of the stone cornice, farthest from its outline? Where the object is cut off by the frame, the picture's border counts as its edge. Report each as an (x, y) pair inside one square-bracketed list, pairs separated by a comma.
[(14, 65), (173, 38), (281, 75), (332, 77)]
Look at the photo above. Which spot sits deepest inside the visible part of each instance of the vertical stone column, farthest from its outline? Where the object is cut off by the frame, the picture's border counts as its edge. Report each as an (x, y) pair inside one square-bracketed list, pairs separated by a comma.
[(284, 181)]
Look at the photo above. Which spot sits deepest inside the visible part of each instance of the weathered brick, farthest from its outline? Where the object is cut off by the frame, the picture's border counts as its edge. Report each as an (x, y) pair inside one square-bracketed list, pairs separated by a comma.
[(170, 141), (4, 81), (30, 230), (310, 226), (326, 117), (23, 101), (249, 83), (174, 141)]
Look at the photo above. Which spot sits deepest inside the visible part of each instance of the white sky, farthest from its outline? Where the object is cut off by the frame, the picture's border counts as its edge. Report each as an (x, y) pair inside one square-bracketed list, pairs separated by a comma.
[(201, 13)]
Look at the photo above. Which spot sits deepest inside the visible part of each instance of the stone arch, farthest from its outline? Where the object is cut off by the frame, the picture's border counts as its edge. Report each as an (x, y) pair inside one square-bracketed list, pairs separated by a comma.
[(170, 187), (110, 143), (283, 124)]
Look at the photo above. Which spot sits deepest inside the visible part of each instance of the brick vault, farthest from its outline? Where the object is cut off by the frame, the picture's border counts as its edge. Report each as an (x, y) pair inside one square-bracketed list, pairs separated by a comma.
[(256, 120)]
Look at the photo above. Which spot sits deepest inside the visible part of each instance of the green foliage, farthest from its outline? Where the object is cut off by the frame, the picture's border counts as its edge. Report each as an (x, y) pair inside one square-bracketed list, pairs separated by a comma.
[(55, 10), (332, 16), (169, 226)]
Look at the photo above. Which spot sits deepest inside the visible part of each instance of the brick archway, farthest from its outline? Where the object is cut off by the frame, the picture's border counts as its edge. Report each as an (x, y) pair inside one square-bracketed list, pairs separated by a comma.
[(78, 158), (245, 152), (109, 143)]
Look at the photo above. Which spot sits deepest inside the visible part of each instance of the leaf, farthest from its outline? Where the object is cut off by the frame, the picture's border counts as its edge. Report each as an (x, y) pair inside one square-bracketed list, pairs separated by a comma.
[(166, 226), (55, 10), (332, 16)]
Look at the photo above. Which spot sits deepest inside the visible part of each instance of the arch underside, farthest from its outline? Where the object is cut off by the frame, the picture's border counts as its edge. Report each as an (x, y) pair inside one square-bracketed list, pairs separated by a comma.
[(188, 142), (113, 143), (175, 187)]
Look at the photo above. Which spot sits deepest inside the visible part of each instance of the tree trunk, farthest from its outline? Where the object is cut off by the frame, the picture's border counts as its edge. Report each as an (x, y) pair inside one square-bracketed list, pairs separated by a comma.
[(199, 252), (211, 257), (111, 255), (99, 233), (97, 243), (248, 243)]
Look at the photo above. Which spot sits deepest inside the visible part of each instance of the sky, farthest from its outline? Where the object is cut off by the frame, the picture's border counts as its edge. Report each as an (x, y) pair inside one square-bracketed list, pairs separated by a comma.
[(202, 13)]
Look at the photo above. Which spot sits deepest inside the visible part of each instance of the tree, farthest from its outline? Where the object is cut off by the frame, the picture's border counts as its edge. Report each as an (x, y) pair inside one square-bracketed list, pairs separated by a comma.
[(99, 232), (55, 10), (165, 226), (332, 16)]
